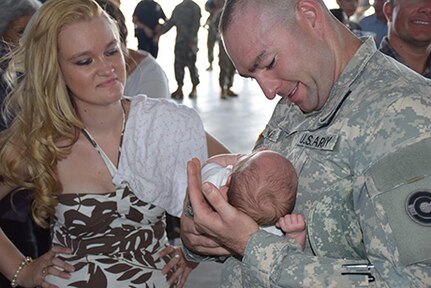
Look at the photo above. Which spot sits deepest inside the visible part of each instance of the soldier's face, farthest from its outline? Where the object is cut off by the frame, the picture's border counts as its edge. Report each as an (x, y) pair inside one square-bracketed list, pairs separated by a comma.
[(288, 60)]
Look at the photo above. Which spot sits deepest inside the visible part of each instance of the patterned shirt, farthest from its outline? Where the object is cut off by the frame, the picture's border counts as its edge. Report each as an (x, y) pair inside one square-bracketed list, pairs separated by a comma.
[(386, 48)]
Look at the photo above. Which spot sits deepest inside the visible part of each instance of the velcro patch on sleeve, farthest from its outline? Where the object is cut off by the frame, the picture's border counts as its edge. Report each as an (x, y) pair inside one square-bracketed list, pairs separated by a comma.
[(401, 183)]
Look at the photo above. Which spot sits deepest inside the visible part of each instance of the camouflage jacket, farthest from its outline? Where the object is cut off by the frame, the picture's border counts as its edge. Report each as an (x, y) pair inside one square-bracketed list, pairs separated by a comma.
[(364, 171)]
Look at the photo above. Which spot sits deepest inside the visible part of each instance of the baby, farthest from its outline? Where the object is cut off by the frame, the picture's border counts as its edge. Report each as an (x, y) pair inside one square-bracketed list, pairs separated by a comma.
[(263, 185)]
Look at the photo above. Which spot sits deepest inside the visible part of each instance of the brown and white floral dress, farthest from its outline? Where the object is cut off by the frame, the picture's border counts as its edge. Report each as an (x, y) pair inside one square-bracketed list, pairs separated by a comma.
[(115, 239)]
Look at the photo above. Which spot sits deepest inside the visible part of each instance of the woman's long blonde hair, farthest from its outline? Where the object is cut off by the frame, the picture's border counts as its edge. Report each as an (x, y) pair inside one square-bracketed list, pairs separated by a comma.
[(39, 105)]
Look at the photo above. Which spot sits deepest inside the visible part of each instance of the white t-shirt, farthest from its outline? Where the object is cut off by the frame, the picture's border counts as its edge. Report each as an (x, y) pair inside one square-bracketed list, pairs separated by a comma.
[(148, 78)]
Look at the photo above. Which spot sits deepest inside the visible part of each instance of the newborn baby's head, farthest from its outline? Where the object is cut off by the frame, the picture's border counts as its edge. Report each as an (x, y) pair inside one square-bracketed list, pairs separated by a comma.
[(263, 185)]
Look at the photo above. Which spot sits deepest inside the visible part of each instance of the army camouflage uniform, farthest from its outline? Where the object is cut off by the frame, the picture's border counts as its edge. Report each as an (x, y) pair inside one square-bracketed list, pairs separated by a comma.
[(364, 182), (227, 69), (212, 32), (186, 17)]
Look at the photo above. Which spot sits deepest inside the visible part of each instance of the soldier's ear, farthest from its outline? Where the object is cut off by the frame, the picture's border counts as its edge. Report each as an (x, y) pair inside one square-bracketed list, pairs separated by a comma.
[(311, 17)]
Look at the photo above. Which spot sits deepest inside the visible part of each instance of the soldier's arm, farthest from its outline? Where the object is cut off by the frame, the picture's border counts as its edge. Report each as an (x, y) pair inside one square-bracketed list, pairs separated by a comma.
[(168, 24)]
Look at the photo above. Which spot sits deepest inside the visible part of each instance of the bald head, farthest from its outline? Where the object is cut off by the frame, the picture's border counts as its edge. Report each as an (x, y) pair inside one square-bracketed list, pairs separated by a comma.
[(280, 10)]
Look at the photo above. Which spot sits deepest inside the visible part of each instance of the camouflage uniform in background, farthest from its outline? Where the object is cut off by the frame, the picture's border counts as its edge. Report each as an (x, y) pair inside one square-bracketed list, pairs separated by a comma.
[(364, 184), (186, 17), (227, 69), (212, 28)]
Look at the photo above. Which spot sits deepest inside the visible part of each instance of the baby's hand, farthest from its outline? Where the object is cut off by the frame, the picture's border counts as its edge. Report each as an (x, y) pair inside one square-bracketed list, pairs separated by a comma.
[(291, 223)]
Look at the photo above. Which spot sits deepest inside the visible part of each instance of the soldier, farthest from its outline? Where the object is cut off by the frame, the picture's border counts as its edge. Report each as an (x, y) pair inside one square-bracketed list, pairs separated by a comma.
[(186, 17), (227, 70), (409, 34), (212, 7), (356, 126)]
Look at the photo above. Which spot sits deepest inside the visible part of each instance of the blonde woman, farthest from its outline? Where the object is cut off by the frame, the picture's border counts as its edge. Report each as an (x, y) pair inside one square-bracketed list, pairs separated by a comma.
[(105, 168)]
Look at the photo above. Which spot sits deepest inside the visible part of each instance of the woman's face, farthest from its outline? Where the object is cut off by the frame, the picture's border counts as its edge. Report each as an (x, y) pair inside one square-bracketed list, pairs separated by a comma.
[(91, 62), (15, 29)]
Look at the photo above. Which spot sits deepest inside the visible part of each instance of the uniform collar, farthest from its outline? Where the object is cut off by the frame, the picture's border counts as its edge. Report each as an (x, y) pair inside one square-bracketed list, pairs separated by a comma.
[(345, 84)]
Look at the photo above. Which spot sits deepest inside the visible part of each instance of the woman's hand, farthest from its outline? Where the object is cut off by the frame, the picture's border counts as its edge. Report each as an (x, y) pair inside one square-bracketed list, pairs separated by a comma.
[(178, 268), (34, 274)]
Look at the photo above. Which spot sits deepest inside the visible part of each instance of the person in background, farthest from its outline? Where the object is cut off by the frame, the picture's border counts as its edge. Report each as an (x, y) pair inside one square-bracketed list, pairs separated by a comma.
[(144, 74), (355, 124), (376, 22), (14, 16), (15, 209), (104, 168), (227, 70), (339, 14), (186, 18), (146, 17), (212, 7), (409, 34), (363, 6), (349, 8)]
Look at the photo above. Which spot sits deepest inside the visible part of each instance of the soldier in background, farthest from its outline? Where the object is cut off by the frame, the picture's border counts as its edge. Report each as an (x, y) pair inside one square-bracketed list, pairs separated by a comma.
[(227, 70), (212, 6), (186, 18), (146, 17)]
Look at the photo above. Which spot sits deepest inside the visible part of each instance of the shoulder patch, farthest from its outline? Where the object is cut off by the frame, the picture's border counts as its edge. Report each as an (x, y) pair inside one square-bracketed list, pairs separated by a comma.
[(418, 206)]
